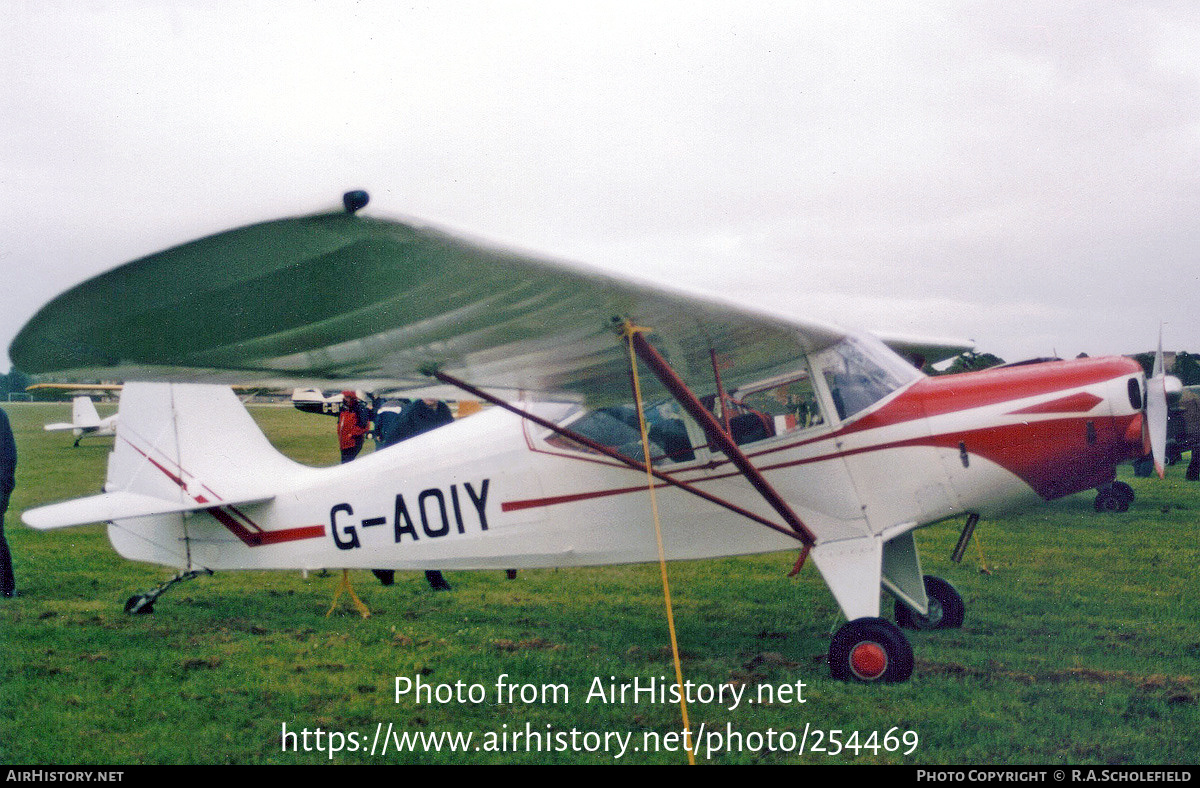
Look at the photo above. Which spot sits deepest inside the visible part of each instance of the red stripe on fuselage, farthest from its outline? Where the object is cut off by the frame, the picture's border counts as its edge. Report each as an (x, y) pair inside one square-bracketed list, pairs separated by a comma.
[(534, 503), (1052, 456), (945, 394), (261, 537), (251, 538)]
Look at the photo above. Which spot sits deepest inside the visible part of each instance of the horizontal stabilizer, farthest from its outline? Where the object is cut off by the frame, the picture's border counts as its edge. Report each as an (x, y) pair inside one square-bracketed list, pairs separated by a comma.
[(59, 426), (116, 506)]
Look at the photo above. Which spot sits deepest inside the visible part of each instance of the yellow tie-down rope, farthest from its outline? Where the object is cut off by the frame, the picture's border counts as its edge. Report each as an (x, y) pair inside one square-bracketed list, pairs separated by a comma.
[(629, 330), (983, 567), (345, 586)]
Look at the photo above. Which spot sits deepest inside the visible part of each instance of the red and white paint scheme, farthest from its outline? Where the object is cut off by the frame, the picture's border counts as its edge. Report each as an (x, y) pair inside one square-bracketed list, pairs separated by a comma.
[(765, 432)]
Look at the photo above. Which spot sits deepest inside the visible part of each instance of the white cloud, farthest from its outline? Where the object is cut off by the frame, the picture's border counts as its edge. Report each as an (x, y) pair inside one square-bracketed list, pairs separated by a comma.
[(1021, 173)]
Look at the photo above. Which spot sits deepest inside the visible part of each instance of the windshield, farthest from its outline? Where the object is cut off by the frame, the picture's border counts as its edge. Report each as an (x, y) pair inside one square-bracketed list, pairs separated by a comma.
[(860, 371)]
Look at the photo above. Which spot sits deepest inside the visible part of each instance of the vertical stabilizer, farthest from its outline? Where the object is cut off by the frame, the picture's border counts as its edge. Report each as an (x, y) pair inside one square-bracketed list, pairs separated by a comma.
[(184, 455), (194, 446), (83, 413), (191, 443)]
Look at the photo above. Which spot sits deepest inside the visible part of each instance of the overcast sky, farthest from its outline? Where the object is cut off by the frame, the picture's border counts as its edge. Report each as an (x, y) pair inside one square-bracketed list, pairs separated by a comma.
[(1024, 174)]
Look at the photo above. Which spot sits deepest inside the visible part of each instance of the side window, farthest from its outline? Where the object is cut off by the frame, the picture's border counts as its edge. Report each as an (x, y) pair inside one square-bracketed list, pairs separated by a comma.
[(617, 427), (781, 405), (792, 405), (669, 440)]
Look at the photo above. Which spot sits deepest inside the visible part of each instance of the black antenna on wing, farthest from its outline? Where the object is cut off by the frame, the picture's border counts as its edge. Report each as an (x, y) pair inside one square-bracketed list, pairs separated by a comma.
[(355, 200)]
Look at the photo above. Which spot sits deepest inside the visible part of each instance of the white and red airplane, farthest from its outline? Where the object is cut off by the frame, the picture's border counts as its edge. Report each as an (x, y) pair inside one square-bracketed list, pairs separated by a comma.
[(85, 421), (765, 432)]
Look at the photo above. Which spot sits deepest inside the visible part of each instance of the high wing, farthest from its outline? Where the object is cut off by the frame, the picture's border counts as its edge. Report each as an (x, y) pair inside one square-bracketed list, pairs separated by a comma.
[(371, 302), (924, 350), (74, 387)]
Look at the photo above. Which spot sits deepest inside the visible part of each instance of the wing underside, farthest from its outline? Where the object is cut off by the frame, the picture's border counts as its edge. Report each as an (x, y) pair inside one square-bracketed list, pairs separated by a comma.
[(369, 301)]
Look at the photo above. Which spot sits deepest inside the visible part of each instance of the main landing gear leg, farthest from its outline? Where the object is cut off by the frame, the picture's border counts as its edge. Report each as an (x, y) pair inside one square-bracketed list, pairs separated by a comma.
[(143, 603)]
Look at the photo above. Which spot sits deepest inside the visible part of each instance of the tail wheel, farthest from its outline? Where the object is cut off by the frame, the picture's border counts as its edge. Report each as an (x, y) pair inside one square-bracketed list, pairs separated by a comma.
[(946, 608), (870, 650), (140, 604)]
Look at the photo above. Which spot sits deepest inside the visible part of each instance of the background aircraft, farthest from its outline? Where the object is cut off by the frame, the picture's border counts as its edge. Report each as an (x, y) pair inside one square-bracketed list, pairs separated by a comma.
[(86, 421), (758, 431)]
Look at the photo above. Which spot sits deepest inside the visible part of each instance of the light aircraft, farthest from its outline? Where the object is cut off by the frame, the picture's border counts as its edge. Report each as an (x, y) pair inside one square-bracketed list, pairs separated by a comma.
[(312, 400), (765, 432), (85, 421), (1179, 438)]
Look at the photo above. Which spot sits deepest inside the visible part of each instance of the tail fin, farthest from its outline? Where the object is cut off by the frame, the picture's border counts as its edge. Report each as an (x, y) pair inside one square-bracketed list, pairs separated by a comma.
[(179, 448), (190, 443), (83, 412)]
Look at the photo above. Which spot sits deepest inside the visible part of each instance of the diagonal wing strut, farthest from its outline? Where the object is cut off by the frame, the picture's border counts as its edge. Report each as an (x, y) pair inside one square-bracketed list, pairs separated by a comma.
[(717, 434), (690, 403), (608, 452)]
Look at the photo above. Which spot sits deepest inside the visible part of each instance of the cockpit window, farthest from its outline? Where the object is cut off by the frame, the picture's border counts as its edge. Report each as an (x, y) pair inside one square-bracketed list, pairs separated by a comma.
[(617, 427), (860, 371), (790, 403)]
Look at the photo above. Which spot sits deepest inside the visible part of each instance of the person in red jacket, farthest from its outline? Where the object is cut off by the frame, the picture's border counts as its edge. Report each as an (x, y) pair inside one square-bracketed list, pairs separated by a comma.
[(354, 421)]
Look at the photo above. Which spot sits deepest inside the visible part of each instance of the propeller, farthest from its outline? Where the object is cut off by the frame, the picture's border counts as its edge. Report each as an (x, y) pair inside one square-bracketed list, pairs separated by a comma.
[(1156, 411)]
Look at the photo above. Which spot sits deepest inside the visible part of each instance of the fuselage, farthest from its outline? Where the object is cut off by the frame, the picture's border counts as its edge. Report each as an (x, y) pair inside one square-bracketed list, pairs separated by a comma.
[(494, 491)]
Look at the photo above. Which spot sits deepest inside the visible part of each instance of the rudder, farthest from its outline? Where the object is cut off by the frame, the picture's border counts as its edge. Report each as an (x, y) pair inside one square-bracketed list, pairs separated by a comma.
[(190, 443), (83, 413)]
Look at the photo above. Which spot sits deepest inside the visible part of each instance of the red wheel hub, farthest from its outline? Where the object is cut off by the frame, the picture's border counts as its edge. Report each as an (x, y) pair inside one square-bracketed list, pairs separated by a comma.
[(868, 660)]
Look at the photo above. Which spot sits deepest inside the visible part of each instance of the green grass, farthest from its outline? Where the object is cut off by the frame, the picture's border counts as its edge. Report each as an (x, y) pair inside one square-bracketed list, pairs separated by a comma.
[(1081, 644)]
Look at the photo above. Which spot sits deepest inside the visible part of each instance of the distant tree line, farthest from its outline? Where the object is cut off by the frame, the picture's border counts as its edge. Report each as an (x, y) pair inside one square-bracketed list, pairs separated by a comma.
[(15, 382), (1186, 366), (969, 361)]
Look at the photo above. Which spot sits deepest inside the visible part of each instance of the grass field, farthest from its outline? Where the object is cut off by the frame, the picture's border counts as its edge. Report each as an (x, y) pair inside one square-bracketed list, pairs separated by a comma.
[(1081, 646)]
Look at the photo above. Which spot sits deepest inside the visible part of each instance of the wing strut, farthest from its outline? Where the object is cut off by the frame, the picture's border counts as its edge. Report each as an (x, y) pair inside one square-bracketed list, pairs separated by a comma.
[(608, 452), (716, 434)]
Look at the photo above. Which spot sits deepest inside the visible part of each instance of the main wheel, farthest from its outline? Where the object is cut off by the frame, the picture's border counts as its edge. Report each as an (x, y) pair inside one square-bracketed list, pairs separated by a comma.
[(1109, 501), (1123, 490), (870, 650), (946, 607)]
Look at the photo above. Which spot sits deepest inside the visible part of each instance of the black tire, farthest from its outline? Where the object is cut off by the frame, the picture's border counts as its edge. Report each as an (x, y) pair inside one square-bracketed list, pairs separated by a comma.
[(946, 607), (870, 650), (1123, 490), (140, 605), (1109, 502)]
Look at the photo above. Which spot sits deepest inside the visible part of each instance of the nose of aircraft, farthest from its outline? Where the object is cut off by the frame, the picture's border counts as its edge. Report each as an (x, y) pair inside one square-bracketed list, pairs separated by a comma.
[(1059, 427)]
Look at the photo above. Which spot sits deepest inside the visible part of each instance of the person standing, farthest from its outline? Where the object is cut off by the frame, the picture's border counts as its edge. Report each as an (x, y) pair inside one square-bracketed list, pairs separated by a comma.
[(414, 418), (8, 467), (1189, 405), (354, 421)]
